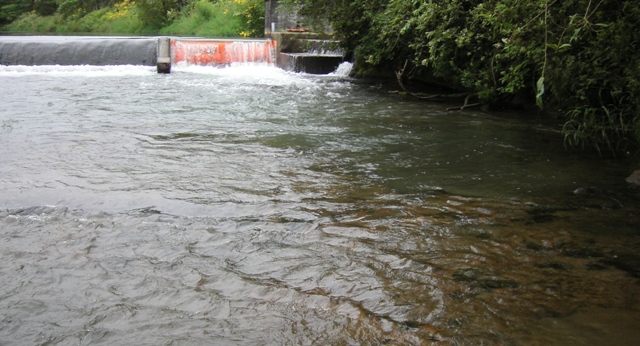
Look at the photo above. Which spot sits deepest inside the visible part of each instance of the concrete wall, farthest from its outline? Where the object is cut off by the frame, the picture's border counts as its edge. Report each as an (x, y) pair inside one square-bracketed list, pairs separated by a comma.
[(276, 20), (77, 50)]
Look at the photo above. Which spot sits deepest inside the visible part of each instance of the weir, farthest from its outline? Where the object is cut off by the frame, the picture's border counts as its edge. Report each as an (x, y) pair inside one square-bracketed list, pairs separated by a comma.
[(210, 52), (308, 52), (298, 54), (288, 46), (162, 52), (77, 50)]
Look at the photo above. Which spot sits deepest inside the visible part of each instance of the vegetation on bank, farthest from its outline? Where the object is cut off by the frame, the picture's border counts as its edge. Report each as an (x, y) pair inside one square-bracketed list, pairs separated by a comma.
[(212, 18), (578, 57)]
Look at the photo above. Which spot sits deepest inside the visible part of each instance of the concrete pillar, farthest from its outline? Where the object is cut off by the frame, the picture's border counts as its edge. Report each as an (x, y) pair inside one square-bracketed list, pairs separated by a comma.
[(164, 55), (267, 18)]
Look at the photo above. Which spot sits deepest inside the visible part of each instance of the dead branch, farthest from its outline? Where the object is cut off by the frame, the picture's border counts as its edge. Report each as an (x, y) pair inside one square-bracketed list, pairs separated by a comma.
[(430, 97), (466, 104)]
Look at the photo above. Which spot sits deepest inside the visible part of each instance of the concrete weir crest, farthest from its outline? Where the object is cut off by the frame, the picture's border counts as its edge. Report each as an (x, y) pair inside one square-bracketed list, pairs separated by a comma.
[(289, 44), (293, 52)]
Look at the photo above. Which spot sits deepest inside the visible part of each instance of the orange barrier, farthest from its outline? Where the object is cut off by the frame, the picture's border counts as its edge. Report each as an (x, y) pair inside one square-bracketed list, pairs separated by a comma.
[(213, 53)]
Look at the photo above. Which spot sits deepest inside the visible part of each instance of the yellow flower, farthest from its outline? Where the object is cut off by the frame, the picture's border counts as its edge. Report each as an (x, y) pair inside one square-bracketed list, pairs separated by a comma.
[(119, 10)]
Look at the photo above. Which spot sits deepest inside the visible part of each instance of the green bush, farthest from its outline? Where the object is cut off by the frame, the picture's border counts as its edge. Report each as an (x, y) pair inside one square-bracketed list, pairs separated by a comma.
[(9, 13), (122, 18), (90, 22), (224, 18), (578, 56), (45, 7), (33, 23), (70, 8), (155, 13), (11, 10)]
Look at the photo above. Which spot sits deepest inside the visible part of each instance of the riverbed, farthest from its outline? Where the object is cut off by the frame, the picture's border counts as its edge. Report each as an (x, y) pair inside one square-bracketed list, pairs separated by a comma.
[(247, 205)]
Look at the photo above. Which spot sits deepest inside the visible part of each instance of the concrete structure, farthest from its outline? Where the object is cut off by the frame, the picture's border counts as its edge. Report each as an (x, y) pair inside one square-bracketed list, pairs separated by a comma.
[(298, 49), (309, 63), (288, 44), (77, 50), (163, 63), (277, 20)]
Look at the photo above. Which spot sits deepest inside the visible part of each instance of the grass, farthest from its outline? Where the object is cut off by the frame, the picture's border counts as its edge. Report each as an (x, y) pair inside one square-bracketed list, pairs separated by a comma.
[(224, 18), (207, 19)]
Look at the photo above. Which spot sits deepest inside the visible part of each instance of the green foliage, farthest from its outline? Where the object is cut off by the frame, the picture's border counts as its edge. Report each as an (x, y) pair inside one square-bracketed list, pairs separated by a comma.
[(576, 55), (155, 13), (70, 8), (224, 18), (11, 10), (91, 21), (252, 18), (605, 126), (33, 23), (594, 66), (45, 7), (201, 16), (9, 13), (119, 19)]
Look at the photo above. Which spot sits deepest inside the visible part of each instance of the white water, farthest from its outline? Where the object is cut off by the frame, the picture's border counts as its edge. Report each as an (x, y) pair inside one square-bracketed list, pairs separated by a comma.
[(239, 73), (249, 205), (343, 70), (76, 71)]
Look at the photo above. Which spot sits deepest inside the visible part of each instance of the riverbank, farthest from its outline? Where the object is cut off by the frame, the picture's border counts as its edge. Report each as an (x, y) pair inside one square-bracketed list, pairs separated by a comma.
[(494, 51), (225, 18)]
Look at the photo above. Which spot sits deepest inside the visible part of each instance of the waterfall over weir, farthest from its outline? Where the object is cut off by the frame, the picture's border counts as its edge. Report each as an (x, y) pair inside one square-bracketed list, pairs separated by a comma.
[(100, 51), (222, 52), (163, 52), (74, 50)]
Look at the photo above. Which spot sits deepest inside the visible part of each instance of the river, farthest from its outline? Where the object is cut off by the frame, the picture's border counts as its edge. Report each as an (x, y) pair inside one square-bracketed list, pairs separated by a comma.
[(252, 206)]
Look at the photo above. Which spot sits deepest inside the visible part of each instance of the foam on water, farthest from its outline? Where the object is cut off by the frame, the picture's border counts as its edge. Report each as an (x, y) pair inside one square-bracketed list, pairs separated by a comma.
[(77, 70), (237, 73), (255, 74), (343, 69), (190, 208)]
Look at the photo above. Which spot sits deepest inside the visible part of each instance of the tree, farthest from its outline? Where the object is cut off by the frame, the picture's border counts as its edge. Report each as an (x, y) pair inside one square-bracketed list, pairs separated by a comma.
[(12, 9), (154, 13), (575, 55)]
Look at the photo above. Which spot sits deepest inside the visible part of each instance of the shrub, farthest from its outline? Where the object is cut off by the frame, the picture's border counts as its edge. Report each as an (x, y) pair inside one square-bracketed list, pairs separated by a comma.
[(154, 14), (578, 56), (225, 18)]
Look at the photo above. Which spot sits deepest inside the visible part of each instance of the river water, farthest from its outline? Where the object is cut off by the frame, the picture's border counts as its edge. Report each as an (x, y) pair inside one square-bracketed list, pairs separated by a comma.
[(251, 206)]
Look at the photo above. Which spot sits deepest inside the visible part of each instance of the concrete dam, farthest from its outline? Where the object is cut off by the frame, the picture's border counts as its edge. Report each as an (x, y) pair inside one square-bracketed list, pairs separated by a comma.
[(298, 55)]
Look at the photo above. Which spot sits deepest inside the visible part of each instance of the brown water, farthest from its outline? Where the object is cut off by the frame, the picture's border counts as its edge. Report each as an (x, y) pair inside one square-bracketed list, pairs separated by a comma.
[(249, 206)]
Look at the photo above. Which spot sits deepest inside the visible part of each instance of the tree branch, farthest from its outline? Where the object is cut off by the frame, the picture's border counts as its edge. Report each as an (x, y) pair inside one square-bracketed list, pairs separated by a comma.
[(431, 97)]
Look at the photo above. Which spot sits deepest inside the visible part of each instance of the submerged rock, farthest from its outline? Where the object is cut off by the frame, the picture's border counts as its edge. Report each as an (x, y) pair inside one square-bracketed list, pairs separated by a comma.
[(491, 282), (585, 191), (626, 262), (634, 178), (594, 198), (467, 274)]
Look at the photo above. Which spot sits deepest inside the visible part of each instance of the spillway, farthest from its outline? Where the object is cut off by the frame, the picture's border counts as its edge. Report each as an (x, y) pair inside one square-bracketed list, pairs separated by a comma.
[(77, 50), (222, 52)]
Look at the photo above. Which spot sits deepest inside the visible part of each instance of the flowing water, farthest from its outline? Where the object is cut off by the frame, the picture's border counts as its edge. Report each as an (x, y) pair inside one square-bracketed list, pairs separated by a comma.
[(251, 206)]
